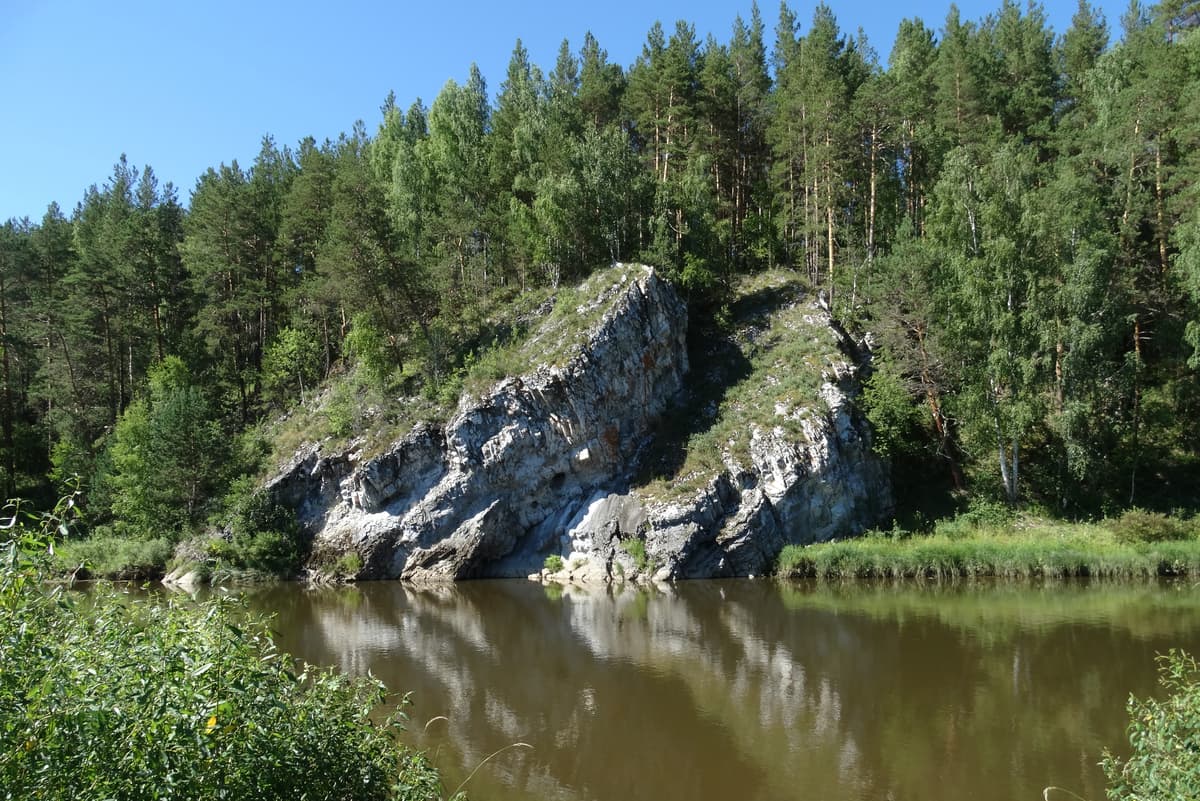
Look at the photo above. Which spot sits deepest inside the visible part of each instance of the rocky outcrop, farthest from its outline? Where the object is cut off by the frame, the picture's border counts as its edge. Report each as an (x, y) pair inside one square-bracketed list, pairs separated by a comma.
[(804, 473), (490, 492), (543, 463), (824, 485)]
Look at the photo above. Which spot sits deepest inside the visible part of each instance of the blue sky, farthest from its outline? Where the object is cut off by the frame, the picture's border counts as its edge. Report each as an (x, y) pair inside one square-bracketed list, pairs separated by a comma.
[(184, 86)]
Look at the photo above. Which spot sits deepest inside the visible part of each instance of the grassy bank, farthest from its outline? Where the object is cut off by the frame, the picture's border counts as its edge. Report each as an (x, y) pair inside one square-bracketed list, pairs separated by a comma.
[(1136, 545)]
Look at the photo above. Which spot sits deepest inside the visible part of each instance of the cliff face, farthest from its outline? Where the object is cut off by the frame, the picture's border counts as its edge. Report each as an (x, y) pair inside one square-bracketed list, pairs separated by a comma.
[(542, 464)]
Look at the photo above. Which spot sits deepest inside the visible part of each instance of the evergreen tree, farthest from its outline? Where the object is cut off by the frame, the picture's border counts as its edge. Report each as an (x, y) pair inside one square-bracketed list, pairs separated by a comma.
[(919, 146), (168, 456), (601, 84), (456, 156), (219, 250), (750, 192), (962, 76)]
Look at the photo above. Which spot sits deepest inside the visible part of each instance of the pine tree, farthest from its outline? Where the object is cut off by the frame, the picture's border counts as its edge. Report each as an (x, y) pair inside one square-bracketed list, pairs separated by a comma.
[(601, 84), (913, 101)]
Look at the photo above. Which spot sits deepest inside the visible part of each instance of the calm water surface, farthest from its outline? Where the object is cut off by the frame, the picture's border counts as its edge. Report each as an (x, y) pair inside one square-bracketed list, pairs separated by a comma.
[(754, 690)]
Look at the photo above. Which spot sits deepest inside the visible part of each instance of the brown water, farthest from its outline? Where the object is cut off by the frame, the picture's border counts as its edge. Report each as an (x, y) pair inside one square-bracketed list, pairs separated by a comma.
[(753, 690)]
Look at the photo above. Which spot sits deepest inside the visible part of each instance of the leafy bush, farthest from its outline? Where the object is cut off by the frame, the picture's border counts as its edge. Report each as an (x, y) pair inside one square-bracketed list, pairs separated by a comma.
[(895, 418), (981, 514), (103, 696), (291, 363), (263, 536), (554, 563), (348, 565), (1165, 760), (1138, 525)]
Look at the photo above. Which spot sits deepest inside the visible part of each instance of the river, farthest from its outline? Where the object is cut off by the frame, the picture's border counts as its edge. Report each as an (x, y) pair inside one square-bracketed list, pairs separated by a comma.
[(752, 689)]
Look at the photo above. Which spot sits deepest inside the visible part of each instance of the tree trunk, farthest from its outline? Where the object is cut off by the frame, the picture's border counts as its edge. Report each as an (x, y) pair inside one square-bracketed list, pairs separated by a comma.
[(1161, 233), (1137, 407), (940, 424), (6, 413)]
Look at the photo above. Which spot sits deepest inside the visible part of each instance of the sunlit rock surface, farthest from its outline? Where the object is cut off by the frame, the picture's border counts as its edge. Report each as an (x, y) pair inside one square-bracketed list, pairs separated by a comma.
[(543, 464)]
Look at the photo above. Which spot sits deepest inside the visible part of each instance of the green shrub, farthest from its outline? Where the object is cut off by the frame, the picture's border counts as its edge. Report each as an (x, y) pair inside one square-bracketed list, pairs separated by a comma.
[(263, 536), (1138, 525), (348, 565), (1164, 762), (982, 512), (102, 696), (554, 563)]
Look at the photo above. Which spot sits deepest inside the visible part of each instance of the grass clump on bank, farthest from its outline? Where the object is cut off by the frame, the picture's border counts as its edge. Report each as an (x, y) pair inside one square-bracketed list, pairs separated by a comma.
[(1022, 548), (104, 696), (114, 558)]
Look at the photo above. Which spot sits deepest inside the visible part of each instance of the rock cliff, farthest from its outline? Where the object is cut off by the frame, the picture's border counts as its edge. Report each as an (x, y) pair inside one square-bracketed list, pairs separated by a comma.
[(549, 463)]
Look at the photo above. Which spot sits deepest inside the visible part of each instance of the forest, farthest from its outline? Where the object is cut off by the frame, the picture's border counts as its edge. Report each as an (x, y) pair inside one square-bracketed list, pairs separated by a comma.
[(1009, 215)]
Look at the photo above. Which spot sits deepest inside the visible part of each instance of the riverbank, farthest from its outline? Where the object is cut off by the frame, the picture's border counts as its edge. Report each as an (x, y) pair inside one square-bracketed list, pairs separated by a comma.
[(1136, 545)]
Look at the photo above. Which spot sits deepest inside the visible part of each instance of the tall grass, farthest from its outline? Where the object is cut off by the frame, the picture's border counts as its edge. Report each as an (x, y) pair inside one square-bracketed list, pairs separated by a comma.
[(113, 558), (1023, 549)]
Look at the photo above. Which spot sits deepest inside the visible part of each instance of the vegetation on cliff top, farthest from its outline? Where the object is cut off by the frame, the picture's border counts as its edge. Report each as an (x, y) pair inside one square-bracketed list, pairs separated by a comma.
[(760, 367)]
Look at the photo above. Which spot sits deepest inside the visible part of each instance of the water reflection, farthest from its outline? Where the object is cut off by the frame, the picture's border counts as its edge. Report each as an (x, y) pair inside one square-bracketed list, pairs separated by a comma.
[(751, 690)]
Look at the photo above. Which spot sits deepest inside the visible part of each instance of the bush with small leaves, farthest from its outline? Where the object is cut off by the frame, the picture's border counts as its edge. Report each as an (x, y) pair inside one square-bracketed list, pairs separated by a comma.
[(1139, 525), (1164, 763), (110, 696)]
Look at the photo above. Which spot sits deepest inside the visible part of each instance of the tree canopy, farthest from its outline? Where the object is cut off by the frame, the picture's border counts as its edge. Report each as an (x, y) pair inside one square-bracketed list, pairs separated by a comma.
[(1012, 214)]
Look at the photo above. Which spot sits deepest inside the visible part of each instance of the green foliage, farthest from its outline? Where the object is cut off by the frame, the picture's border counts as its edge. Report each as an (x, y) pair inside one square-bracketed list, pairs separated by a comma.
[(168, 456), (348, 565), (636, 548), (262, 535), (553, 563), (368, 345), (1164, 762), (888, 403), (792, 561), (1016, 220), (981, 513), (112, 557), (291, 364), (1139, 525), (106, 696), (1020, 549), (69, 461)]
